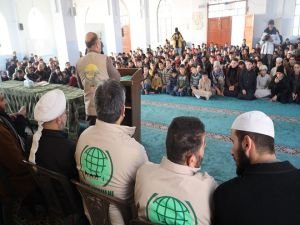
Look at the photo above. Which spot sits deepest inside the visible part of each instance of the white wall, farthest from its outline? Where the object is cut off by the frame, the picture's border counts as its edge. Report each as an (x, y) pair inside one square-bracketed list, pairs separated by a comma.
[(44, 46), (182, 17), (93, 14), (282, 11)]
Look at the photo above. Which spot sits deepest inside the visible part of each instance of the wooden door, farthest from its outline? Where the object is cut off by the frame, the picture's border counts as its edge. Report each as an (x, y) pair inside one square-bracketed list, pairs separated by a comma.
[(126, 38), (249, 26), (219, 30)]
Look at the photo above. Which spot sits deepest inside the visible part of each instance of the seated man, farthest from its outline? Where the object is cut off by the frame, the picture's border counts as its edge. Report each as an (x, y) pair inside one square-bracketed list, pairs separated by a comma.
[(176, 183), (17, 119), (11, 155), (16, 182), (107, 156), (51, 148), (266, 190), (280, 86), (232, 79), (247, 82), (296, 83)]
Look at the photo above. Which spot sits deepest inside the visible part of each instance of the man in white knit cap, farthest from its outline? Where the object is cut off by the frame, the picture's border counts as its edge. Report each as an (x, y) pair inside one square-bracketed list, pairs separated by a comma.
[(51, 148), (266, 190)]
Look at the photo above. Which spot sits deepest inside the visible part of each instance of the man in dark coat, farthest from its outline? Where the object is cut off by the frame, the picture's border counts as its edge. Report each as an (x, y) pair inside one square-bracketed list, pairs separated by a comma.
[(232, 79), (280, 86), (247, 82), (266, 191)]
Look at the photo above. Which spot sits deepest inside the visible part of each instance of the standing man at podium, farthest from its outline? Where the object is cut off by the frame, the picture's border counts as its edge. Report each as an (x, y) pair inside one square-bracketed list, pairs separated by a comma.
[(91, 69)]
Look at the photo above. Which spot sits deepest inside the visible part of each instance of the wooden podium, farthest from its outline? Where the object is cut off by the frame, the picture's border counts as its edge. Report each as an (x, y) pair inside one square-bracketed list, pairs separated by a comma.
[(131, 80)]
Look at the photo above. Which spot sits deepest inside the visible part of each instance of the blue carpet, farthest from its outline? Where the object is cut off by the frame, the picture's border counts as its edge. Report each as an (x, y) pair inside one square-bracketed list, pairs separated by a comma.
[(218, 115)]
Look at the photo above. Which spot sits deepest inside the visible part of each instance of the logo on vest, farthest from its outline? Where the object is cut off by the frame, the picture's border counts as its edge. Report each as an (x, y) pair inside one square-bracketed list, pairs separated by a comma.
[(170, 211), (91, 71), (96, 166)]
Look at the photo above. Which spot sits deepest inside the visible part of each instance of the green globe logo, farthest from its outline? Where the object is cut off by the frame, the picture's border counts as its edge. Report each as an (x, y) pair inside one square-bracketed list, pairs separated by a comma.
[(170, 211), (96, 166)]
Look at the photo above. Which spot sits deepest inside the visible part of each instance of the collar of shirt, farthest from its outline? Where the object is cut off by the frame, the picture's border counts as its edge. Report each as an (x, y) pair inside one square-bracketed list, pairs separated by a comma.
[(115, 127), (269, 168), (177, 168)]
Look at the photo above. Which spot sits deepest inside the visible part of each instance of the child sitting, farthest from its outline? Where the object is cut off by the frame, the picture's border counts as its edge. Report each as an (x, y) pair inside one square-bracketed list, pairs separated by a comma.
[(218, 78), (156, 83), (262, 83), (195, 77), (146, 82), (182, 82), (204, 88), (172, 83)]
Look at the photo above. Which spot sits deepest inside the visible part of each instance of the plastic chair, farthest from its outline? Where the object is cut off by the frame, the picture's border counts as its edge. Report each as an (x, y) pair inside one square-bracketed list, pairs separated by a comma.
[(97, 205)]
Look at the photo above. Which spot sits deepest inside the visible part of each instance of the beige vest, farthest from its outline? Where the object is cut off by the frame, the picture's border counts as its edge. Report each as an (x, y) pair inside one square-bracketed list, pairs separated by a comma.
[(108, 158), (170, 193), (91, 69)]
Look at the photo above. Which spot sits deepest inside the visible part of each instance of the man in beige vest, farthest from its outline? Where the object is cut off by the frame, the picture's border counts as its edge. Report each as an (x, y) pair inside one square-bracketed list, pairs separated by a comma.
[(91, 69), (175, 191), (107, 156)]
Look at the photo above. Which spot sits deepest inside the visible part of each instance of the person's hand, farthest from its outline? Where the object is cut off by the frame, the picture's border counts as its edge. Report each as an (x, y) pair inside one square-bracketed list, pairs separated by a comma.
[(244, 92), (22, 111), (274, 99), (294, 96)]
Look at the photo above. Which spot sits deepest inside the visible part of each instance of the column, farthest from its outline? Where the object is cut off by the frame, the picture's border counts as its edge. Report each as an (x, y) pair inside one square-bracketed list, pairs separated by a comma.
[(64, 13), (113, 27)]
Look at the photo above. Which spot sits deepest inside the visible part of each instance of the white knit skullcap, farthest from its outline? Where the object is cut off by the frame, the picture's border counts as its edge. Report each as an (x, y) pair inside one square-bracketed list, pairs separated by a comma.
[(50, 106), (256, 122)]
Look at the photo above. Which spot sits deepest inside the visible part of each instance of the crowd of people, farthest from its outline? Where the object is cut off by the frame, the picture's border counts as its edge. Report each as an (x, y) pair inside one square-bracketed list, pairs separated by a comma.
[(107, 157), (117, 165), (234, 71), (268, 70), (36, 69)]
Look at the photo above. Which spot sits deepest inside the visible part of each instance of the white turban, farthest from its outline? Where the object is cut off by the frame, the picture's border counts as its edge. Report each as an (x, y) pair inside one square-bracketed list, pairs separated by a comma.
[(50, 106), (256, 122)]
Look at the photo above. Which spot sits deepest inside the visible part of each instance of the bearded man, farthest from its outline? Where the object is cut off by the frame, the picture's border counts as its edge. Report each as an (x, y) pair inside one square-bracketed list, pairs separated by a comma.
[(266, 190)]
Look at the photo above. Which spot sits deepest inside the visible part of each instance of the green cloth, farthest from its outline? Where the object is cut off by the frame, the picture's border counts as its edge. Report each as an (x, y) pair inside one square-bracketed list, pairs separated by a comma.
[(17, 95), (126, 78)]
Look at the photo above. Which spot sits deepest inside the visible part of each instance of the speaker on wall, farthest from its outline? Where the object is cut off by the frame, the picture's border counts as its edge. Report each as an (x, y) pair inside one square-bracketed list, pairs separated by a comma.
[(21, 27), (73, 11)]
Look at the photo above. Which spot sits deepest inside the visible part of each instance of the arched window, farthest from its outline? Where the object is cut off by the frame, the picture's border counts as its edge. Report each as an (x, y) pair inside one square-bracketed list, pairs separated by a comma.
[(5, 44), (164, 20), (37, 25)]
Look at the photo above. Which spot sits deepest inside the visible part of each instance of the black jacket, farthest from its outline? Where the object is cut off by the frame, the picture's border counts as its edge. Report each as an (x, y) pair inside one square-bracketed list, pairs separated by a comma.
[(247, 80), (282, 89), (56, 153), (265, 194)]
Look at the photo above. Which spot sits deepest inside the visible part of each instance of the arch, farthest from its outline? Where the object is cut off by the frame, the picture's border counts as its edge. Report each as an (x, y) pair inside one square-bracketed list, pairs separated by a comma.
[(5, 44), (164, 20)]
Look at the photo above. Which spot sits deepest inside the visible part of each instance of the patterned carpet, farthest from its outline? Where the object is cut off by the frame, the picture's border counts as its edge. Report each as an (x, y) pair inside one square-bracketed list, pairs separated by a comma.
[(218, 115)]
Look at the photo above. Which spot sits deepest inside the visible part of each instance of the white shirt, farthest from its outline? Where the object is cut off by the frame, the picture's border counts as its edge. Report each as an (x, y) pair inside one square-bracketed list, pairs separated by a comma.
[(267, 48)]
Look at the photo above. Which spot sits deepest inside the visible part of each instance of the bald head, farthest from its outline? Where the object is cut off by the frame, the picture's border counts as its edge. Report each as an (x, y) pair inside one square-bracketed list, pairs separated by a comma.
[(92, 42)]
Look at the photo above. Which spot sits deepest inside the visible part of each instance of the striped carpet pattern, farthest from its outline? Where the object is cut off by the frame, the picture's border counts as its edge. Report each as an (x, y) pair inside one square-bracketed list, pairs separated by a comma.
[(218, 115)]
